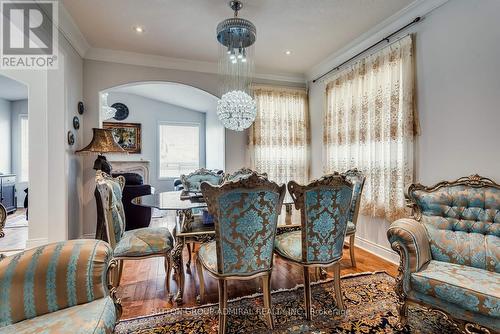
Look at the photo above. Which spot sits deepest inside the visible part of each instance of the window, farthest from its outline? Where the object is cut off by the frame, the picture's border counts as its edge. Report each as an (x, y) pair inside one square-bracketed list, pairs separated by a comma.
[(279, 137), (369, 124), (24, 149), (179, 149)]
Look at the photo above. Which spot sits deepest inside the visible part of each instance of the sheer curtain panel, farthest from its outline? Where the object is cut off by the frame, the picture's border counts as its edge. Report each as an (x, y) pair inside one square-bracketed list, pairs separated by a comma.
[(369, 123), (279, 137)]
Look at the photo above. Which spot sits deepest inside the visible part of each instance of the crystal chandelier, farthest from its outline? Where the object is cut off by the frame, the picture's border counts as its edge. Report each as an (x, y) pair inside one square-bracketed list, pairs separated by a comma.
[(107, 112), (236, 108)]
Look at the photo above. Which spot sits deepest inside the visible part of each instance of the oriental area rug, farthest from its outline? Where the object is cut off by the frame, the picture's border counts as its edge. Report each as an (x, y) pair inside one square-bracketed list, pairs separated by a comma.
[(370, 308)]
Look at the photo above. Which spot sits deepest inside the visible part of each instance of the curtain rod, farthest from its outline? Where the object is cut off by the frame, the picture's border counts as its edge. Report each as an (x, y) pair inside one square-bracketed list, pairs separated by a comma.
[(386, 38)]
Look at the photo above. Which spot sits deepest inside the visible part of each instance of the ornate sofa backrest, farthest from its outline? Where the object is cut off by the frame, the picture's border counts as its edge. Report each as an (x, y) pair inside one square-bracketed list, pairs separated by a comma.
[(324, 206), (111, 190), (192, 182), (245, 216), (462, 219)]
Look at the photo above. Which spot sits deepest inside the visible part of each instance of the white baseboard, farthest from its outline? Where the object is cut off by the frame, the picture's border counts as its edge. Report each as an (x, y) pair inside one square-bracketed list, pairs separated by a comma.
[(32, 243), (380, 251), (88, 236)]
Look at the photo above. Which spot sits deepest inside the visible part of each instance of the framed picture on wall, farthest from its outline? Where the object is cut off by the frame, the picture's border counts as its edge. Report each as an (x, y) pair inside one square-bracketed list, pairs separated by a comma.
[(127, 135)]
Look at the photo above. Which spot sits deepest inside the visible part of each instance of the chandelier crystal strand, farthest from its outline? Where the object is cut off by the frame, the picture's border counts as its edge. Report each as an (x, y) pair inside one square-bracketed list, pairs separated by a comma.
[(236, 36), (107, 112)]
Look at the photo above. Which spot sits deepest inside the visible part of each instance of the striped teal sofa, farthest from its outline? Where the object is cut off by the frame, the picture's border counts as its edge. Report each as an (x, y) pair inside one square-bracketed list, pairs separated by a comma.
[(450, 253), (58, 288)]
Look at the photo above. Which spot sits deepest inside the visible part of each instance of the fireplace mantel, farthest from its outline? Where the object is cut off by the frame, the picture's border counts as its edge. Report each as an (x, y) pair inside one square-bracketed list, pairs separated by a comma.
[(140, 167)]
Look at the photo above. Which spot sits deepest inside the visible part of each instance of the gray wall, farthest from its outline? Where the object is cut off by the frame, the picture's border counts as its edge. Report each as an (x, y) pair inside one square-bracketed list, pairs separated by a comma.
[(458, 85), (5, 137), (18, 108), (149, 113)]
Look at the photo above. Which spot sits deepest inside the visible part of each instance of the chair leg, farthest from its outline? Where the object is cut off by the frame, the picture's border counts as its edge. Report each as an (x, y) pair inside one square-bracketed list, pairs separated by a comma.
[(266, 289), (337, 288), (119, 274), (188, 264), (222, 305), (351, 250), (199, 269), (168, 269), (307, 293)]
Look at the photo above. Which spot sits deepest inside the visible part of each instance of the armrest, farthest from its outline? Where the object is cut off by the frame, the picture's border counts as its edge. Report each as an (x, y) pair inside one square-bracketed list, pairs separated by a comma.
[(410, 236), (52, 277)]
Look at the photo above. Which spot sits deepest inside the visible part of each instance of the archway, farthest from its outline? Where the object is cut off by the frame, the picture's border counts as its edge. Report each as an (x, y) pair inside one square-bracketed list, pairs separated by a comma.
[(158, 106)]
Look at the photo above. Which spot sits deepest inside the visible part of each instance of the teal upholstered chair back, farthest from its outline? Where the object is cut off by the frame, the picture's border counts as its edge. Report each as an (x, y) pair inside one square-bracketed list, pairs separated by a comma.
[(193, 181), (245, 216), (462, 219), (357, 179), (240, 174), (110, 190), (324, 206)]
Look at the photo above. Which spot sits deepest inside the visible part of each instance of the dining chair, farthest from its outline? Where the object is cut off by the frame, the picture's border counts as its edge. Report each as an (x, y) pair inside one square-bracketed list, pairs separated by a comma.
[(324, 208), (245, 217), (3, 219), (135, 244), (357, 179), (241, 173), (191, 183)]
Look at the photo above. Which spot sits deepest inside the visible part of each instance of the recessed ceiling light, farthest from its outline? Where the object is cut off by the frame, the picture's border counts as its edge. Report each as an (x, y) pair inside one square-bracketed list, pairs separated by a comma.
[(288, 52), (139, 29)]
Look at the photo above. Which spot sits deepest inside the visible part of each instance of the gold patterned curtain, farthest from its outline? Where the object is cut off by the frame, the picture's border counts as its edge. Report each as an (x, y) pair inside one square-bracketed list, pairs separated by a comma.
[(279, 137), (369, 123)]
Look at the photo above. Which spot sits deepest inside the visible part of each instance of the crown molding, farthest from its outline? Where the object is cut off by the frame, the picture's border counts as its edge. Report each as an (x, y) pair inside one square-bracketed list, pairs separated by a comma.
[(69, 29), (394, 22), (143, 59)]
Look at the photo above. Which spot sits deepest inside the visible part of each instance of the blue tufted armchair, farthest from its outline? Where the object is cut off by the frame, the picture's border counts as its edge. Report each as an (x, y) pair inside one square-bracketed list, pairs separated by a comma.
[(450, 252)]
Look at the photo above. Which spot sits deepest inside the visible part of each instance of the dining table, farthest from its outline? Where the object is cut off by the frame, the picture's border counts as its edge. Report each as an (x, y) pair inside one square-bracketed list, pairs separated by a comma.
[(190, 228)]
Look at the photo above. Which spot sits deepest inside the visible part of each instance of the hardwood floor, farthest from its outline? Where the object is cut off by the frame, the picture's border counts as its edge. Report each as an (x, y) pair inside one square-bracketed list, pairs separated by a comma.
[(15, 237), (142, 289)]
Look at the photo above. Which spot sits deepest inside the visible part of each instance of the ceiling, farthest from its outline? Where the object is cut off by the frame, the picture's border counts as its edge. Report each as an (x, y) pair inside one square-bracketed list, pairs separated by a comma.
[(172, 93), (185, 29), (12, 90)]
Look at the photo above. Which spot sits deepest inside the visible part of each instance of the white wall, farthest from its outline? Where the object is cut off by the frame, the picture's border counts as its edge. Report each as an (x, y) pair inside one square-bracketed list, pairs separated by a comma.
[(18, 108), (149, 113), (54, 171), (5, 137), (458, 85)]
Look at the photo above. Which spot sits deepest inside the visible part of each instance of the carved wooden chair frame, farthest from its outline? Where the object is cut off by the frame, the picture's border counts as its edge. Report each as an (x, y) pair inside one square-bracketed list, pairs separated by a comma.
[(201, 171), (460, 325), (297, 193), (211, 193), (117, 267), (242, 171), (3, 219), (352, 235)]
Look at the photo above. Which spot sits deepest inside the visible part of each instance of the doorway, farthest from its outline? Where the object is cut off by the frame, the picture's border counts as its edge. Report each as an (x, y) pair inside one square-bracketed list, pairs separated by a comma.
[(14, 164)]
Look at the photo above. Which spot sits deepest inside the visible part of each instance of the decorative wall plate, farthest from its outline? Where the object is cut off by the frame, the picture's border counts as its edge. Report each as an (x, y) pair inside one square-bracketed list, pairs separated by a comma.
[(121, 111), (76, 122), (71, 138), (81, 108)]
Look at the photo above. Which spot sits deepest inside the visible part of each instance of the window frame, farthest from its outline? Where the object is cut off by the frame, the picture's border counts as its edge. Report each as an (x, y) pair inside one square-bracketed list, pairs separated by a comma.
[(200, 143)]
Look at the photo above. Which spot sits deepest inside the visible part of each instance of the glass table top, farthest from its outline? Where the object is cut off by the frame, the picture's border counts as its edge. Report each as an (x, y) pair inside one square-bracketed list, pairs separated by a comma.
[(171, 200)]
